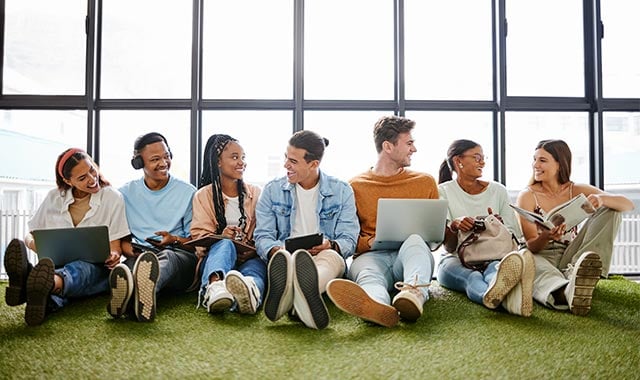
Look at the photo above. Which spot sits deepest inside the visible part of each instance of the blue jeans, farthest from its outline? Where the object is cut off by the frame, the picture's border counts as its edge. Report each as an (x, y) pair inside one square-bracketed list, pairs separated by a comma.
[(222, 258), (377, 271), (453, 275), (81, 279)]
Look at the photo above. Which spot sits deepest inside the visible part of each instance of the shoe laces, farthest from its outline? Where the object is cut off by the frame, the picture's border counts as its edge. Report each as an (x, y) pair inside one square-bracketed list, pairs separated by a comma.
[(400, 285), (207, 293)]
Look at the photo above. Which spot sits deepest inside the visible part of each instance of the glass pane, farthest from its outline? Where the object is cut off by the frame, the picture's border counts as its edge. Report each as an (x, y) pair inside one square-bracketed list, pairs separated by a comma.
[(435, 131), (351, 149), (146, 49), (30, 143), (262, 134), (545, 48), (622, 148), (525, 129), (348, 49), (119, 130), (443, 60), (620, 60), (44, 47), (248, 49)]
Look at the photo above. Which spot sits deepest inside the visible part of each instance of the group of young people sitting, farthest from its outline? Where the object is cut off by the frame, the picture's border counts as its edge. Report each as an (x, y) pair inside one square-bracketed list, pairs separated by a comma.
[(248, 266)]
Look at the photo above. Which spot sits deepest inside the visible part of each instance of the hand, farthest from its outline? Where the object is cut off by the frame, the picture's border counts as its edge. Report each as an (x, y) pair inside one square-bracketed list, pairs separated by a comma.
[(463, 224), (233, 232), (326, 244), (555, 233), (112, 260), (241, 257), (167, 238), (595, 200)]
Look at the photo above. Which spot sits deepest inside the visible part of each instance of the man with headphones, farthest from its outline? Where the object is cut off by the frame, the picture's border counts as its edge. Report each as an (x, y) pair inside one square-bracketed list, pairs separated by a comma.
[(159, 211)]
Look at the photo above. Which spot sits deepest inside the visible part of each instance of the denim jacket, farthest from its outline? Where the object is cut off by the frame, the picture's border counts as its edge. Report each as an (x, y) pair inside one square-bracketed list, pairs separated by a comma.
[(275, 214)]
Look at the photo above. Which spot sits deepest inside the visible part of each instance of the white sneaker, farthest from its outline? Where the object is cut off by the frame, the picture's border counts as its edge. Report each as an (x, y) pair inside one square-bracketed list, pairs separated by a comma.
[(519, 301), (244, 290), (216, 297), (307, 300), (583, 277), (279, 299), (507, 277), (410, 300)]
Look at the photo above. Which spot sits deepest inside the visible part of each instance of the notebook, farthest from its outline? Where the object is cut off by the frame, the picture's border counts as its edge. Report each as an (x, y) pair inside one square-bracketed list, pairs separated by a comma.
[(399, 218), (64, 245)]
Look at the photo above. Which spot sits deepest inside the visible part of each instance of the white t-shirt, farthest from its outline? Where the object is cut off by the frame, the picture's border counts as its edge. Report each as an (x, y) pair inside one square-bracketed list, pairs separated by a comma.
[(306, 214), (106, 209), (232, 210)]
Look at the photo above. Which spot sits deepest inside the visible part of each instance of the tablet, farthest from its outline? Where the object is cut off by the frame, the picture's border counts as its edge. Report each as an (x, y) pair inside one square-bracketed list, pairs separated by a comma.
[(303, 242)]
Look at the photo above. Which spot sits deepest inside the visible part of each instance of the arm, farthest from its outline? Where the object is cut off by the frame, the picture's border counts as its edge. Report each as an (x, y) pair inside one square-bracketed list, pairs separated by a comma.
[(265, 234), (536, 237), (599, 198), (347, 226), (114, 256)]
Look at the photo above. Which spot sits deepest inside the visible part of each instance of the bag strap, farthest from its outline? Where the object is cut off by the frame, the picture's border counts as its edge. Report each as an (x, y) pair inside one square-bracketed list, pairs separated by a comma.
[(461, 248)]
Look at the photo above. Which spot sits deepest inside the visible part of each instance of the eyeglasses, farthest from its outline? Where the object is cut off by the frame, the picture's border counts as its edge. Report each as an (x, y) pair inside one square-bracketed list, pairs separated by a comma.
[(476, 156)]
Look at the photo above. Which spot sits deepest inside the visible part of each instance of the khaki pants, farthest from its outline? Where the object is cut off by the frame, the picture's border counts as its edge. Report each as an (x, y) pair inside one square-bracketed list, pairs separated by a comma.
[(596, 235), (330, 265)]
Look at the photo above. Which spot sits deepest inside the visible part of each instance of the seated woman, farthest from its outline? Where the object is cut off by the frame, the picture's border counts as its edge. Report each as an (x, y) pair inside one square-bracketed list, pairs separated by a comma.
[(568, 263), (83, 198), (509, 281), (225, 205)]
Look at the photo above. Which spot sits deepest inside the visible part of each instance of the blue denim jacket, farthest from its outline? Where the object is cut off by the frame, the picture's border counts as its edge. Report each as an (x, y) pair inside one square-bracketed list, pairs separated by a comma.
[(336, 209)]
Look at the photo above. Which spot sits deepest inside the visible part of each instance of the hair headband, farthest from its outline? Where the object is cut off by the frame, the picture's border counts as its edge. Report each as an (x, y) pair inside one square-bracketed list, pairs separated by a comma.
[(66, 157)]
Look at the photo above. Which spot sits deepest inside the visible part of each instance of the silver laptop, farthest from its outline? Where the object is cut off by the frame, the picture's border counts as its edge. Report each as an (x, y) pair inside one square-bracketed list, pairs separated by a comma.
[(64, 245), (399, 218)]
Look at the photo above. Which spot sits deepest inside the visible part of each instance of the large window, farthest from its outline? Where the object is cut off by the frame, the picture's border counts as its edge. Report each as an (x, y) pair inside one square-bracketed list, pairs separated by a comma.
[(620, 58)]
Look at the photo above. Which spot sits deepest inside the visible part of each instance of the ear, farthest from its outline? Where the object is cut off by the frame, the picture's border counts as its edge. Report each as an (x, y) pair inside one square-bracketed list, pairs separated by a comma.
[(315, 164), (387, 146)]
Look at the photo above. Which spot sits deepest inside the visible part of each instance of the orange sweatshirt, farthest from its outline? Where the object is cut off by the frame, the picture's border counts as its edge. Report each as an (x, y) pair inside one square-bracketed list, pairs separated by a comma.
[(368, 187)]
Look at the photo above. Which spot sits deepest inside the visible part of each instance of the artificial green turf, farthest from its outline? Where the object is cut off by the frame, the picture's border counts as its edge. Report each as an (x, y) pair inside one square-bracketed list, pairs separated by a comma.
[(454, 339)]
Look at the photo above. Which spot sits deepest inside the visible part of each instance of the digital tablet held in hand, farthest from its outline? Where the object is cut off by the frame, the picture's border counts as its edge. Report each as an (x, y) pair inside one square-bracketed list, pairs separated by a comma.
[(303, 242)]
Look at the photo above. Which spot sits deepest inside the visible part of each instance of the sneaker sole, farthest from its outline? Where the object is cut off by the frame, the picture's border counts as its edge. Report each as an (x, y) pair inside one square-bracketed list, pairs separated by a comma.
[(17, 267), (528, 276), (220, 306), (39, 285), (121, 285), (352, 299), (279, 282), (508, 275), (145, 276), (241, 293), (306, 284), (407, 309), (589, 271)]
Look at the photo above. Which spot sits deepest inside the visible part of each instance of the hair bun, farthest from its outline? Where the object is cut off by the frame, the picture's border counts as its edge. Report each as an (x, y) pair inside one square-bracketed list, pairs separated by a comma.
[(326, 141)]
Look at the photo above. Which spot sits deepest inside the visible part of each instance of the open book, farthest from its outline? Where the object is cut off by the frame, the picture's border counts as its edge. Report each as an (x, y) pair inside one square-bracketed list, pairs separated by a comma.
[(208, 241), (571, 213)]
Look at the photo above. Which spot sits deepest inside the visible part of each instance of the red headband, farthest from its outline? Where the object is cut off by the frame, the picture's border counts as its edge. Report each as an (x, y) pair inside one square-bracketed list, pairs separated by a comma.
[(65, 157)]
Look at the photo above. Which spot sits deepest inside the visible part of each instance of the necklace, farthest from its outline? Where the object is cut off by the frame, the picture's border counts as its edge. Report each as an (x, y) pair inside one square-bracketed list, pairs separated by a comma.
[(475, 188)]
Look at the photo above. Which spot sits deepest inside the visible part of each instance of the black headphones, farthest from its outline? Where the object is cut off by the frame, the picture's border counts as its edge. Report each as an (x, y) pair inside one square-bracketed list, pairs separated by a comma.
[(141, 142)]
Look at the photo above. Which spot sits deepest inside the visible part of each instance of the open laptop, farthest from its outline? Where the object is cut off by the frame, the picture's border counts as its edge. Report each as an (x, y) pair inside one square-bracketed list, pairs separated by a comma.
[(399, 218), (64, 245)]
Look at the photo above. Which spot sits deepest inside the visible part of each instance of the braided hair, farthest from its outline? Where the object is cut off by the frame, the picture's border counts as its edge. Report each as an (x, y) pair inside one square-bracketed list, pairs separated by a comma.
[(211, 175)]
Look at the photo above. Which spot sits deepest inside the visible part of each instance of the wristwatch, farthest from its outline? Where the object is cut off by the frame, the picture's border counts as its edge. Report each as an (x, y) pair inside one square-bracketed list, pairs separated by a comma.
[(335, 246)]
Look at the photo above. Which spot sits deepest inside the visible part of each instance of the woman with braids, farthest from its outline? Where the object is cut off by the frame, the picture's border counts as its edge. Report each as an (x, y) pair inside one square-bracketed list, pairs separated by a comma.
[(82, 198), (225, 205)]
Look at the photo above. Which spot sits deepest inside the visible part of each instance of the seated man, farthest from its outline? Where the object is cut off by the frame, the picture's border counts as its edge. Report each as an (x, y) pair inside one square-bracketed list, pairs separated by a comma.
[(306, 201), (157, 205), (375, 272)]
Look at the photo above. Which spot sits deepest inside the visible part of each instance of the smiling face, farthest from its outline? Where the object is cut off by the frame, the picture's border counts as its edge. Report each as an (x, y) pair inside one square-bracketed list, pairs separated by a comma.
[(401, 152), (470, 163), (84, 178), (545, 167), (232, 162), (157, 162), (300, 171)]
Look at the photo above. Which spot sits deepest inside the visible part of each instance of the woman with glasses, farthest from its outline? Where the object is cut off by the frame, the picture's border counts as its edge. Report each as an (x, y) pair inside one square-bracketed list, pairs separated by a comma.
[(507, 282), (225, 205)]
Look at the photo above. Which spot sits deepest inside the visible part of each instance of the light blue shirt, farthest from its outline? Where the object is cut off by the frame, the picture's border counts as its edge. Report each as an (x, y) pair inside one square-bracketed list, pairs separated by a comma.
[(168, 209), (336, 212)]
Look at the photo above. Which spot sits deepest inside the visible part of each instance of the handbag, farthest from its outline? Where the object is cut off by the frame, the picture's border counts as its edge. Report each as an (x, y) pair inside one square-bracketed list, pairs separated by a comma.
[(488, 241)]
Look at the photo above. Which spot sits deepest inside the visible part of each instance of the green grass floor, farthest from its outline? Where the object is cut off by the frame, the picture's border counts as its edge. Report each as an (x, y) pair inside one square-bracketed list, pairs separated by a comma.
[(454, 339)]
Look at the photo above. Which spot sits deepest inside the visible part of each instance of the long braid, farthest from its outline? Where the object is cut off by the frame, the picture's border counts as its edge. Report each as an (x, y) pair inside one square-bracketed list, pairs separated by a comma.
[(211, 175), (243, 217)]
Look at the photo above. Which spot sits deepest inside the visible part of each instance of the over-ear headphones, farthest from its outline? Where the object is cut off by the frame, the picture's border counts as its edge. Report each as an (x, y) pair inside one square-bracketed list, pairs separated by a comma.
[(141, 142)]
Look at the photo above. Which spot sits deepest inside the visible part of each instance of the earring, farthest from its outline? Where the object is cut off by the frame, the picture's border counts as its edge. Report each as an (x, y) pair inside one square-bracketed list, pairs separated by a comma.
[(460, 166)]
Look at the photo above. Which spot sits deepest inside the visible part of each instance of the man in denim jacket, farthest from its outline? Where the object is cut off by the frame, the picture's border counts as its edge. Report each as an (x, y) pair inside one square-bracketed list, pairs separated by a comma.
[(306, 201)]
